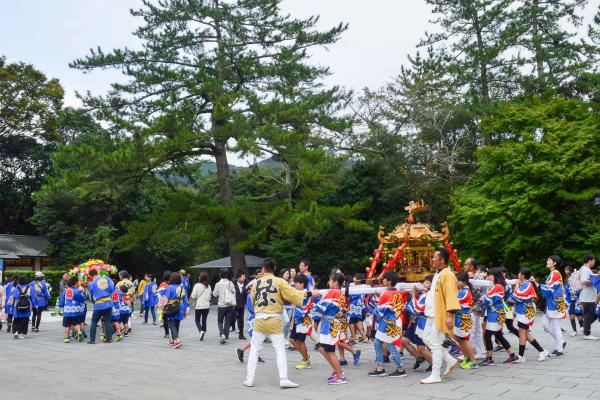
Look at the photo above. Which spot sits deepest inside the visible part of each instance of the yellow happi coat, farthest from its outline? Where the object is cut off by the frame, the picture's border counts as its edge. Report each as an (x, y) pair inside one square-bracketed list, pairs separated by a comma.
[(268, 296)]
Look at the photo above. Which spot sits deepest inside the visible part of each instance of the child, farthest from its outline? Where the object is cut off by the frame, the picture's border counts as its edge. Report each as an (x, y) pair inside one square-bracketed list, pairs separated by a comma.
[(72, 303), (115, 318), (410, 337), (389, 326), (343, 318), (495, 314), (330, 328), (162, 301), (556, 308), (20, 302), (125, 308), (176, 308), (301, 324), (249, 324), (573, 304), (524, 296), (149, 298), (357, 305), (463, 321), (421, 321)]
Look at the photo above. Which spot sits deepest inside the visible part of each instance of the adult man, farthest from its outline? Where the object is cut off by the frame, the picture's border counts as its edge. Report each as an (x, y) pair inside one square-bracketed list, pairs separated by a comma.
[(240, 302), (268, 295), (588, 296), (440, 305), (304, 268), (101, 289), (62, 285), (40, 295)]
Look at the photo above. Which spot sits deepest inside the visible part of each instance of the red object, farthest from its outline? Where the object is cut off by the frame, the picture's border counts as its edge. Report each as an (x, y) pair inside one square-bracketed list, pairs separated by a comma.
[(372, 269), (453, 255)]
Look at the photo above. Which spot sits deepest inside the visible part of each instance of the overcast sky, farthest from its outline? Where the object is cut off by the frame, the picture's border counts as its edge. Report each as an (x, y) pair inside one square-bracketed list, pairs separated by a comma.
[(51, 33)]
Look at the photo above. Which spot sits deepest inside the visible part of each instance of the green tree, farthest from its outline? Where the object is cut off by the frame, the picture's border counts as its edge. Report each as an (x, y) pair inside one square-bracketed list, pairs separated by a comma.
[(198, 84), (29, 108), (533, 192)]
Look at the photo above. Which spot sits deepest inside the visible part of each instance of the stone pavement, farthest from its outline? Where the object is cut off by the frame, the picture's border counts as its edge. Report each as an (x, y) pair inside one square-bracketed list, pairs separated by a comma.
[(142, 367)]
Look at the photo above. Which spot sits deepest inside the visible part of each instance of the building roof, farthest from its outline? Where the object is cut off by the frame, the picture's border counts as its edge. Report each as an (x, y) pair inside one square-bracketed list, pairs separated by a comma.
[(251, 262), (22, 246)]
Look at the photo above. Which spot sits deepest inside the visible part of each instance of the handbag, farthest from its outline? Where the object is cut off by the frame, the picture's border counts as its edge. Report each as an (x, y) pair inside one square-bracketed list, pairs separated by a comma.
[(230, 295)]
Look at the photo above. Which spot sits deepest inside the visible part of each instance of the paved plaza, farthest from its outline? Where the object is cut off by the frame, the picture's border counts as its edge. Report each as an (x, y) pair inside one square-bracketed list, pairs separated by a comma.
[(142, 367)]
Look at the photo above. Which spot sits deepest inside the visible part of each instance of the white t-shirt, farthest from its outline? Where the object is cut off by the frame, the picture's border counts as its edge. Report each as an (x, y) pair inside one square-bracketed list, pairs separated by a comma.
[(430, 299), (588, 293)]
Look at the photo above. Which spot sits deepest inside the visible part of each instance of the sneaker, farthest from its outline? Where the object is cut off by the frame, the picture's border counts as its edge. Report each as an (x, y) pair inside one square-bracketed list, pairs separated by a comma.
[(201, 336), (398, 374), (67, 340), (80, 337), (21, 336), (317, 347), (222, 340), (378, 373), (249, 383), (511, 359), (343, 362), (488, 362), (178, 343), (356, 357), (572, 334), (420, 360), (240, 355), (428, 369), (588, 337), (472, 365), (363, 339), (450, 367), (352, 342), (118, 338), (557, 353), (386, 359), (520, 360), (465, 364), (242, 337), (84, 335), (287, 384), (543, 356), (91, 342), (430, 380), (338, 380)]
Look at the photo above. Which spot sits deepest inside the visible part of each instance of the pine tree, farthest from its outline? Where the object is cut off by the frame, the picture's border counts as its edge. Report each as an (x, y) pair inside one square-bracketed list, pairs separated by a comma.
[(196, 87)]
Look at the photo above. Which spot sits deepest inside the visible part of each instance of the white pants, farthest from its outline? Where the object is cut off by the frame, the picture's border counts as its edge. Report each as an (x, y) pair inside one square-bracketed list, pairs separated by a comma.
[(477, 334), (434, 338), (278, 342), (552, 325)]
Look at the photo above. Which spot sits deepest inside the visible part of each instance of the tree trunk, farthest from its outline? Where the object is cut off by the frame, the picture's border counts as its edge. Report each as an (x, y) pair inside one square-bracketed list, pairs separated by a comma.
[(232, 232), (537, 45)]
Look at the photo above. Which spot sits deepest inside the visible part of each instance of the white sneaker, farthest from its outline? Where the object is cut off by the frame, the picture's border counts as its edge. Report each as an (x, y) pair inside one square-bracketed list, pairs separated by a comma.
[(590, 337), (520, 360), (21, 336), (574, 333), (287, 384), (581, 329), (543, 356), (450, 367), (249, 382), (430, 380)]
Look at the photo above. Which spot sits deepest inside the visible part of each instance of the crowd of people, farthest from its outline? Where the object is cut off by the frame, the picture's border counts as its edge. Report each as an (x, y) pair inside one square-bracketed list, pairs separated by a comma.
[(444, 322)]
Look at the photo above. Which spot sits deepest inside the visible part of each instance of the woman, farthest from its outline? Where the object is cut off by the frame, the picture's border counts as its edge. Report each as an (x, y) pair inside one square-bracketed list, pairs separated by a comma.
[(40, 295), (150, 299), (201, 297), (225, 292), (20, 303), (556, 308), (176, 300), (293, 274), (495, 315)]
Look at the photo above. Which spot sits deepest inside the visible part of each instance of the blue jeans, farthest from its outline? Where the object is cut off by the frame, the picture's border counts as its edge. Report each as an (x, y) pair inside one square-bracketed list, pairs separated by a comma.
[(391, 348), (153, 310)]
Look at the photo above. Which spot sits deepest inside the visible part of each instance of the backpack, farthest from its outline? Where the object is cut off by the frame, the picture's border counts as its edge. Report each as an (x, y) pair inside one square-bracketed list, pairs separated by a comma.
[(23, 303), (575, 281)]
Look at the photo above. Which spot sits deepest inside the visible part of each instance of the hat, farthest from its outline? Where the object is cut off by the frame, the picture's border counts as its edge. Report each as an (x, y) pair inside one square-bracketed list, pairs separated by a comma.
[(182, 271), (39, 274)]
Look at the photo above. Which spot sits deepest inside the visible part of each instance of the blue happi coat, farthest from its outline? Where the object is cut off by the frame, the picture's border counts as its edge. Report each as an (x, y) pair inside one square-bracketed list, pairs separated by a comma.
[(101, 290), (72, 301), (26, 289), (176, 294), (149, 296), (39, 293)]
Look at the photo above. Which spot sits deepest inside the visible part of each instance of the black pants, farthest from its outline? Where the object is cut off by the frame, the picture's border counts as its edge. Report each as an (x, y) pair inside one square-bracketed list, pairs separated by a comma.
[(589, 316), (105, 316), (239, 318), (20, 325), (201, 316), (9, 322), (224, 316), (510, 326), (36, 317), (487, 339), (174, 328)]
